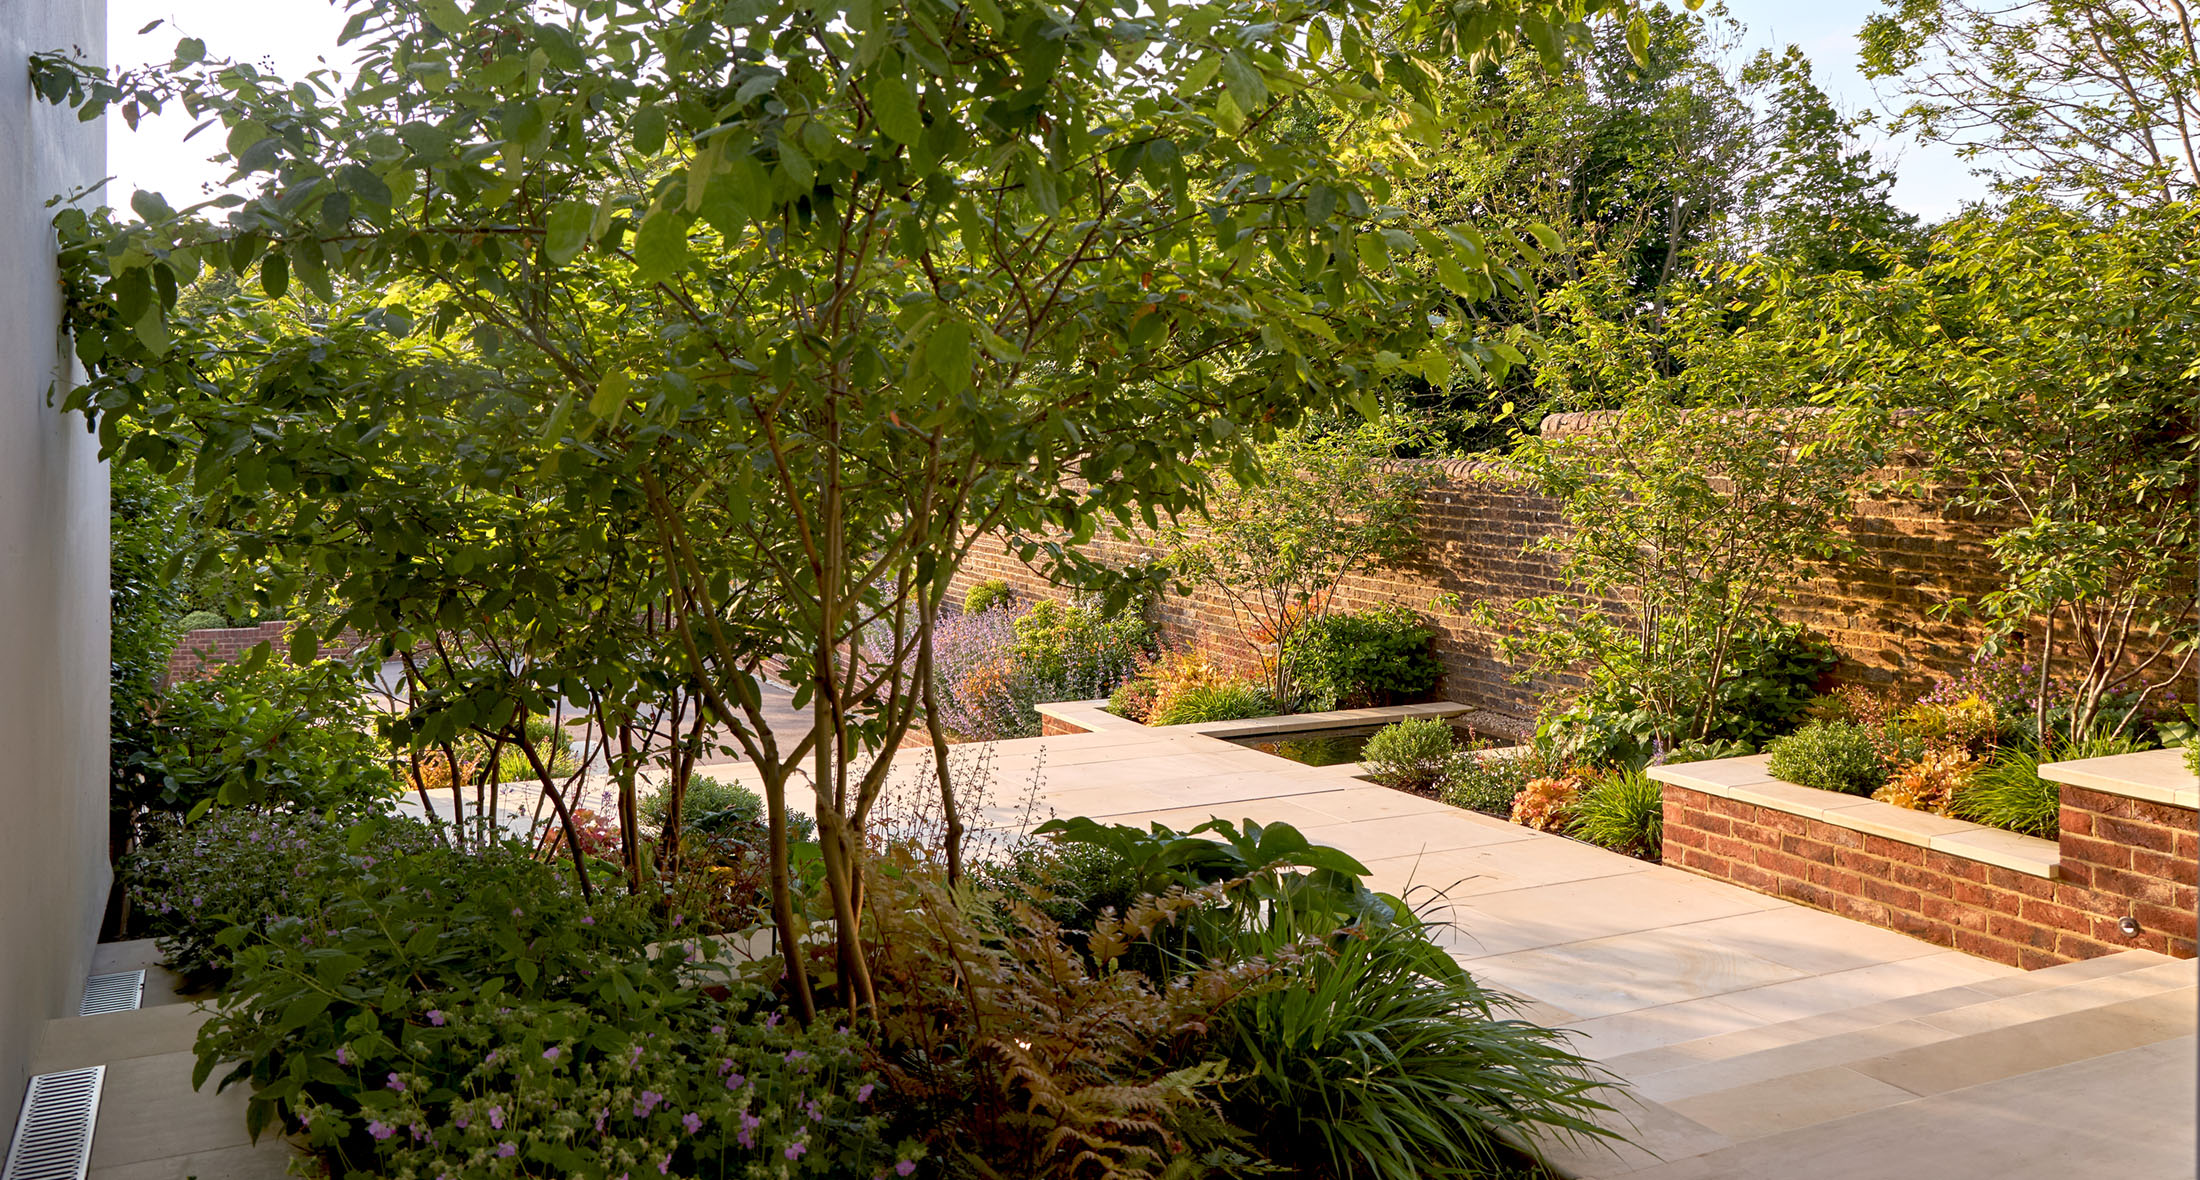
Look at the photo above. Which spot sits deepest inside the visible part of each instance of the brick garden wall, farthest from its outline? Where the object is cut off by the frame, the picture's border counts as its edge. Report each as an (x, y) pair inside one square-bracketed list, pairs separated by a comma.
[(200, 652), (1878, 612), (2120, 857)]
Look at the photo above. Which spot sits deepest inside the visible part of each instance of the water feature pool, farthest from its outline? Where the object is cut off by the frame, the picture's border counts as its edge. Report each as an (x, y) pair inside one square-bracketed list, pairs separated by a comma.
[(1333, 746)]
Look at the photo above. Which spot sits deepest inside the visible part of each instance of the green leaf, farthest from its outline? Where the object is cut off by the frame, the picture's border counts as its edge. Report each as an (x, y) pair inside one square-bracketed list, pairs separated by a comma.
[(1638, 39), (446, 15), (302, 1011), (894, 102), (565, 231), (190, 51), (303, 646), (648, 131), (610, 397), (306, 258), (661, 247), (947, 354)]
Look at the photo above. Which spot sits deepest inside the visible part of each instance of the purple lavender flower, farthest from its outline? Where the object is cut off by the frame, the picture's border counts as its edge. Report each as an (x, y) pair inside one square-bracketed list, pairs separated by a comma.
[(905, 1168), (796, 1149), (496, 1118), (551, 1053), (507, 1149), (379, 1129), (863, 1092), (435, 1017), (396, 1083), (343, 1055), (692, 1121)]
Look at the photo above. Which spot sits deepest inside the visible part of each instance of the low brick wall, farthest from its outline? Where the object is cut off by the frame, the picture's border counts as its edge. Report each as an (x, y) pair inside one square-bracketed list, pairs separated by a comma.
[(2120, 857)]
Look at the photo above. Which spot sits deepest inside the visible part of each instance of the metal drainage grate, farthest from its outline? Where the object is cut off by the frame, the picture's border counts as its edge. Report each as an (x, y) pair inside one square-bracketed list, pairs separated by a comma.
[(123, 991), (53, 1138)]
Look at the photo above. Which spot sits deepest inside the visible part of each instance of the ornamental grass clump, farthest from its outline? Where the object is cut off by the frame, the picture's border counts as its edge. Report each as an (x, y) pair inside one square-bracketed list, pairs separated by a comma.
[(1624, 812), (1831, 756)]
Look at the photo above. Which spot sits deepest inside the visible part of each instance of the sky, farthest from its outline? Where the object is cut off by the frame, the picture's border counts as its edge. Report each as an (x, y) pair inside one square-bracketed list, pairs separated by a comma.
[(296, 36)]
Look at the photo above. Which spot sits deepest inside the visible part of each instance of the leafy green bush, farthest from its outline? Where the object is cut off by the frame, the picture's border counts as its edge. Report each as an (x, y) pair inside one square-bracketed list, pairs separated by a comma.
[(187, 883), (1769, 682), (986, 595), (1624, 812), (263, 733), (1418, 754), (200, 620), (1772, 676), (1831, 756), (2009, 792), (1134, 698), (142, 515), (1078, 652), (556, 1087), (1229, 700), (1376, 657), (1381, 1057), (1489, 782), (710, 805)]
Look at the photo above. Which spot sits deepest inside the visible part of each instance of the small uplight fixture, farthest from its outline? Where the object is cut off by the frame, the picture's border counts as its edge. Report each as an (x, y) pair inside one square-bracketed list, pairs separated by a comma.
[(2130, 926)]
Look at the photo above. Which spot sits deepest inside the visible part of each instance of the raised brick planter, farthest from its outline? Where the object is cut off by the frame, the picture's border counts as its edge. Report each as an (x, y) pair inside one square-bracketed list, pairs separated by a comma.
[(2030, 903)]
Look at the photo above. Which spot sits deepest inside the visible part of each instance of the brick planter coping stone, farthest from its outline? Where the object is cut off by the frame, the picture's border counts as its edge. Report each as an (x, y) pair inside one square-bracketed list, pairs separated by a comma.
[(2156, 776), (1062, 717), (1745, 780)]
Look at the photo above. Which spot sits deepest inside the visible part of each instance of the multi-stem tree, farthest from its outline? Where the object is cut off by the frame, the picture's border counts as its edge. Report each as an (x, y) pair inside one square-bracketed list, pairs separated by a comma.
[(797, 301)]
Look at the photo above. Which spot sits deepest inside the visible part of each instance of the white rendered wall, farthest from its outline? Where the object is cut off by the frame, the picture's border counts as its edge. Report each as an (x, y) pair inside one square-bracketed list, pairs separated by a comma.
[(53, 566)]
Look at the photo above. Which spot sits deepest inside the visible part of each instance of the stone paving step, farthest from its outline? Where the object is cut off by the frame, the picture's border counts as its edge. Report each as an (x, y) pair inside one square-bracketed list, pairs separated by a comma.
[(1722, 1046), (2160, 987)]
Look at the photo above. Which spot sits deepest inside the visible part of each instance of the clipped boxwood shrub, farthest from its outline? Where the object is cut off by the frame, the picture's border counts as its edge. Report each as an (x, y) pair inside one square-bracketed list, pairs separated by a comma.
[(200, 620), (1418, 755), (1831, 756), (987, 595)]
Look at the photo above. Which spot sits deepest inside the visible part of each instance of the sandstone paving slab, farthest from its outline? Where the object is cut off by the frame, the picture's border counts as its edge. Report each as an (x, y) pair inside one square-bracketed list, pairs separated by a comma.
[(1772, 1105), (1607, 1037), (110, 957), (1812, 940), (148, 1110), (73, 1042), (1607, 976), (1353, 800), (2035, 1045), (1598, 907), (1459, 873), (267, 1160), (1856, 986), (2119, 1116)]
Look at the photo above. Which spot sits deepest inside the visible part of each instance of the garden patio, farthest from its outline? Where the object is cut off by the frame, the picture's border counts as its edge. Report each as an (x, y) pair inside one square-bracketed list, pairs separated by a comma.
[(989, 590), (1756, 1037)]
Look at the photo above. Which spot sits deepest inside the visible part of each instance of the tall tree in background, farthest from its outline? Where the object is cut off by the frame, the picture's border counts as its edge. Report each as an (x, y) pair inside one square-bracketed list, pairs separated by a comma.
[(2082, 96)]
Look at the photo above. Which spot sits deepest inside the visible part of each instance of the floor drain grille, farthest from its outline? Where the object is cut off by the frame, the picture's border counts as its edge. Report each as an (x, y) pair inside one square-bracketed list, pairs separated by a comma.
[(53, 1138), (123, 991)]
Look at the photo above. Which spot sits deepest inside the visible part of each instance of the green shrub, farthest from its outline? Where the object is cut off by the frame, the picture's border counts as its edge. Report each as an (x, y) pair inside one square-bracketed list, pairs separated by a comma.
[(1625, 813), (1831, 756), (1381, 1059), (2192, 757), (552, 742), (200, 620), (1488, 782), (1377, 657), (710, 805), (1229, 700), (987, 595), (1134, 698), (260, 732), (2009, 792), (1418, 754), (1770, 680)]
